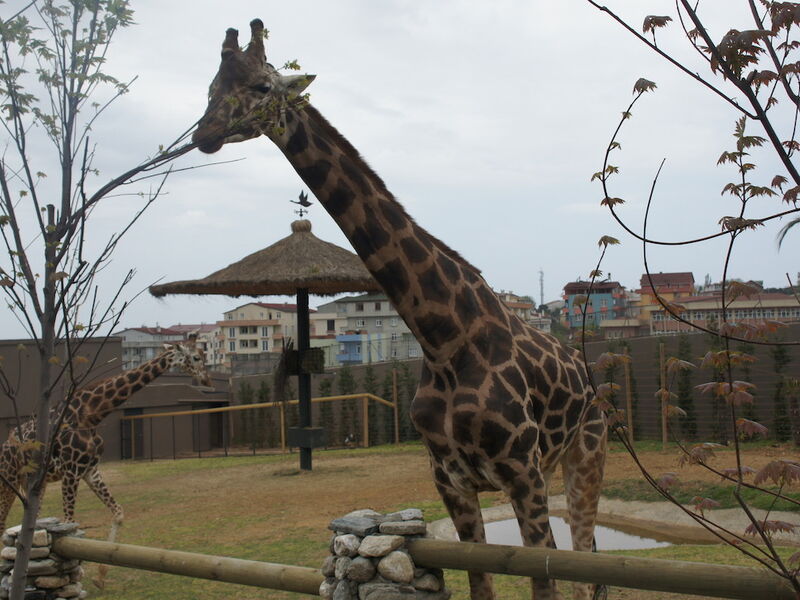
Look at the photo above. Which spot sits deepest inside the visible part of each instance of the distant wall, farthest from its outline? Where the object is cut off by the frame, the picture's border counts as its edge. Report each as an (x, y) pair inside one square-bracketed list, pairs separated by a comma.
[(646, 381)]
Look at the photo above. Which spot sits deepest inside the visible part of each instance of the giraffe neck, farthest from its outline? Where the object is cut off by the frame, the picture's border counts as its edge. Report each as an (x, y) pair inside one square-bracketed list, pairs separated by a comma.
[(436, 291), (93, 405)]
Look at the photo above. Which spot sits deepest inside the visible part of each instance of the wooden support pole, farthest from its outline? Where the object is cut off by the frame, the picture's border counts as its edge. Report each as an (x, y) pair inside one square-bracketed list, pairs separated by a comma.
[(396, 407), (283, 429), (664, 399), (365, 421), (628, 394)]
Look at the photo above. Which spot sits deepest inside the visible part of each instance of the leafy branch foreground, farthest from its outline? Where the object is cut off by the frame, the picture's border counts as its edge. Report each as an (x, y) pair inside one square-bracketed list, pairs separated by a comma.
[(754, 70)]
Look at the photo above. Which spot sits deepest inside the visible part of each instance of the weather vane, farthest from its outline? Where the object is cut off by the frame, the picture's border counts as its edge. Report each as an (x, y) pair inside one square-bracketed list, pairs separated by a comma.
[(303, 202)]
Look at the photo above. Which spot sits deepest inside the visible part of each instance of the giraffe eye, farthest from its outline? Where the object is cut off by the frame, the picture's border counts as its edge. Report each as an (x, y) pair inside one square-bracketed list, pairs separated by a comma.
[(263, 88)]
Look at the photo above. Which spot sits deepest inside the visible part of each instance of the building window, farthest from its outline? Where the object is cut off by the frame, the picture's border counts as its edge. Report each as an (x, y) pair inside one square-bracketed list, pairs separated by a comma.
[(242, 343), (331, 325), (229, 316), (277, 315), (394, 322), (265, 332), (394, 352), (343, 349), (377, 306), (359, 307), (358, 348), (394, 336), (232, 346), (412, 352), (360, 322), (378, 322), (231, 331), (265, 345)]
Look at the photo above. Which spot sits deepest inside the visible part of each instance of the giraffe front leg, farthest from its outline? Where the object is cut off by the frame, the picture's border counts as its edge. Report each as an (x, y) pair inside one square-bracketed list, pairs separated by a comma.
[(582, 467), (465, 511), (95, 482)]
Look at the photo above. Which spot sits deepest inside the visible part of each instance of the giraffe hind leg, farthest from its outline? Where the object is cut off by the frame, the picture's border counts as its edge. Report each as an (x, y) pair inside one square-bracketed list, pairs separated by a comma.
[(95, 482), (582, 466), (465, 511), (526, 487)]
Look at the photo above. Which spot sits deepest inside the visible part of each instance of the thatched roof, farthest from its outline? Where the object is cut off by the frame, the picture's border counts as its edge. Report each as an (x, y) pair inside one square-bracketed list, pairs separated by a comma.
[(301, 260)]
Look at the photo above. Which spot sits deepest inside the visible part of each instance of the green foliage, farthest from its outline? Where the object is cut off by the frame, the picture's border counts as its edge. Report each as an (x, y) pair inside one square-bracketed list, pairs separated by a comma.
[(346, 384), (369, 384), (325, 389), (407, 387), (246, 395)]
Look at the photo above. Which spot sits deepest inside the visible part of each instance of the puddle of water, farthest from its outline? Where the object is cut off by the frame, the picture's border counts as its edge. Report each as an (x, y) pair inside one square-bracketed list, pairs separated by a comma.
[(507, 532)]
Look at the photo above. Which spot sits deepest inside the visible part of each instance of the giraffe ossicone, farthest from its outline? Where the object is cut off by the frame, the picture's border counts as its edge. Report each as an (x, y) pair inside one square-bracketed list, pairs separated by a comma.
[(500, 404)]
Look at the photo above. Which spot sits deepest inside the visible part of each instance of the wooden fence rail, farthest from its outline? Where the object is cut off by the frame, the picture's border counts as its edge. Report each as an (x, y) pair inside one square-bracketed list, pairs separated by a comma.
[(719, 581)]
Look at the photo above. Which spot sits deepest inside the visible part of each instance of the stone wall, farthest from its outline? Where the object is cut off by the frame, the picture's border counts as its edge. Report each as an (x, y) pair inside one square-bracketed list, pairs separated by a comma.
[(50, 577), (368, 560)]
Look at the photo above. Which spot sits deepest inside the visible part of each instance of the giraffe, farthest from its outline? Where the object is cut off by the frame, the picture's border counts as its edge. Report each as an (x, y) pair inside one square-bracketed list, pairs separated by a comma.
[(78, 446), (500, 404)]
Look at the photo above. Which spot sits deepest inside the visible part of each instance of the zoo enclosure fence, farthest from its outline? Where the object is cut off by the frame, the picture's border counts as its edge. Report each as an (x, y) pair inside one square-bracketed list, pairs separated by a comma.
[(357, 420)]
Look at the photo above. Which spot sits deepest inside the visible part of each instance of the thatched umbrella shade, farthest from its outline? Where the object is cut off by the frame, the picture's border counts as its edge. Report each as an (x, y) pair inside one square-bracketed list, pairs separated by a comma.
[(299, 261), (299, 264)]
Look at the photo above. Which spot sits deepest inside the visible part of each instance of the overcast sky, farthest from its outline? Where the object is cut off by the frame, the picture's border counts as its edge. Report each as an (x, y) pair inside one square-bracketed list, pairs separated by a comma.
[(485, 119)]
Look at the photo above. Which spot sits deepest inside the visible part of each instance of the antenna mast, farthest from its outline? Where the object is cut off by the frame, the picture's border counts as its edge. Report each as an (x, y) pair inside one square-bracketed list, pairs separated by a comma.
[(541, 287)]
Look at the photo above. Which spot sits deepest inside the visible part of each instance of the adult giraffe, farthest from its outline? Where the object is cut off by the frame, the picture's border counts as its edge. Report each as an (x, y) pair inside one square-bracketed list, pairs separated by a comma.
[(500, 404), (78, 446)]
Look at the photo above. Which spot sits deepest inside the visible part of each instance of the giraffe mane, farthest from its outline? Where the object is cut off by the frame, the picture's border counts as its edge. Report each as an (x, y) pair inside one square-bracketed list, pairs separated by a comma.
[(363, 166)]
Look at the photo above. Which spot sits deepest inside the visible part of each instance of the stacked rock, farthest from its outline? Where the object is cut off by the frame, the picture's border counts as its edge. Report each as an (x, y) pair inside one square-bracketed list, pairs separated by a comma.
[(50, 577), (368, 559)]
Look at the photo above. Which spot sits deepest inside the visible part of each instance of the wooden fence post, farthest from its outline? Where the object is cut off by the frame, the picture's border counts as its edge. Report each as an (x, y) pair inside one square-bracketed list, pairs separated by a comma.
[(365, 421), (664, 398), (628, 394), (395, 401), (283, 429)]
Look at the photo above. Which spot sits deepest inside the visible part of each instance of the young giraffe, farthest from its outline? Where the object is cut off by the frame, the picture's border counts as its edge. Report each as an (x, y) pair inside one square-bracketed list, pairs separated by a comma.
[(500, 404), (78, 446)]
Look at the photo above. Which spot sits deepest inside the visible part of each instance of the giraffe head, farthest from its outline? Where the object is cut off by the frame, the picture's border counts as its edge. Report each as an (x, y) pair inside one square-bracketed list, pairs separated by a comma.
[(248, 96), (189, 358)]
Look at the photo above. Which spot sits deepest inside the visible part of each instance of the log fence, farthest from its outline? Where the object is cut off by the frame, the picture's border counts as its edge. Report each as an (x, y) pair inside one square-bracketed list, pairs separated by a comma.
[(718, 581)]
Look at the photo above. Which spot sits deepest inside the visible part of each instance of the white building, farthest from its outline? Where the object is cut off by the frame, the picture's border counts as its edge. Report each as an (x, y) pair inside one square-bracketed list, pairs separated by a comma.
[(140, 344)]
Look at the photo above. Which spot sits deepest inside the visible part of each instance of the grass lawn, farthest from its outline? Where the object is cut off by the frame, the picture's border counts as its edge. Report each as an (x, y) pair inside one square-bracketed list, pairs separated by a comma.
[(264, 508)]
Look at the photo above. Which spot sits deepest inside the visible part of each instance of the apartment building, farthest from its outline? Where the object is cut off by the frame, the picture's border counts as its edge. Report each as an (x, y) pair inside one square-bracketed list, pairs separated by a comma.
[(706, 311), (256, 328), (367, 329), (525, 310), (140, 344), (607, 301)]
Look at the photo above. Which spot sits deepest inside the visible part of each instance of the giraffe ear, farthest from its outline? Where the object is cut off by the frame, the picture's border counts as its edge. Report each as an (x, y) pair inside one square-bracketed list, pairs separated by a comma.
[(295, 84)]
